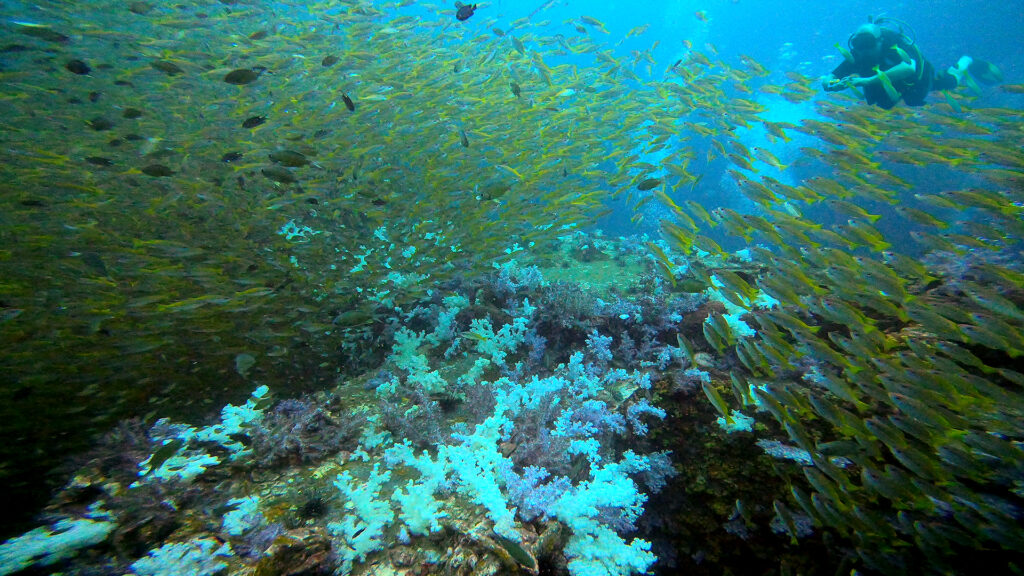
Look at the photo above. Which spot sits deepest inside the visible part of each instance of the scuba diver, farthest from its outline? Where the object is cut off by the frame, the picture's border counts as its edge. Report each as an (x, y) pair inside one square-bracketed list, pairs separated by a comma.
[(888, 66)]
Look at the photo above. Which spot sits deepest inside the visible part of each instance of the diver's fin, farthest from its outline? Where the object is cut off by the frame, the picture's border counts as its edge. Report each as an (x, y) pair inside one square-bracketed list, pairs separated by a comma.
[(985, 72), (962, 73), (960, 69)]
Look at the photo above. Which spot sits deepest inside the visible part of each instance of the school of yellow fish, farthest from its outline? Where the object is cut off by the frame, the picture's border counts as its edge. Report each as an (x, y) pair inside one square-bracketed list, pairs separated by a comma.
[(916, 382), (196, 181)]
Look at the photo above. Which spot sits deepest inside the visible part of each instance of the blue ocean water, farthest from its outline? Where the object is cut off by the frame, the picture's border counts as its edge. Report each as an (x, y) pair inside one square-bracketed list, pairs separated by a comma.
[(802, 37)]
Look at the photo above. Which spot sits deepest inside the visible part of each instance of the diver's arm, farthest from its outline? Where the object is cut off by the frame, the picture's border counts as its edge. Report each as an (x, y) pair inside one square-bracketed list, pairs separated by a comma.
[(898, 73)]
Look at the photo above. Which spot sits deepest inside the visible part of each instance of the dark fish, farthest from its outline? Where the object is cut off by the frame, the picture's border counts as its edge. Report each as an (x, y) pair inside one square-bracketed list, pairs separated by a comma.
[(463, 139), (278, 174), (157, 171), (258, 35), (131, 113), (289, 158), (122, 83), (518, 553), (133, 137), (99, 161), (253, 121), (231, 157), (14, 48), (348, 103), (25, 391), (353, 318), (464, 11), (498, 32), (244, 76), (140, 8), (516, 89), (648, 184), (43, 33), (78, 67), (95, 96), (494, 190), (95, 261), (229, 507), (100, 123), (329, 61), (167, 67), (261, 404), (164, 453), (33, 203)]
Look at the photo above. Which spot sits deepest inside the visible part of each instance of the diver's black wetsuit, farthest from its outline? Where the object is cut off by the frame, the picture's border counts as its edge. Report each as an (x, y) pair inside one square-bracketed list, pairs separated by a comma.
[(914, 89)]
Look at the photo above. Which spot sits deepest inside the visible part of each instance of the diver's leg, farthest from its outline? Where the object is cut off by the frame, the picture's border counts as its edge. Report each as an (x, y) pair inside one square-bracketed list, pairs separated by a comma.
[(945, 81), (886, 103), (985, 72), (968, 72), (962, 73), (915, 93)]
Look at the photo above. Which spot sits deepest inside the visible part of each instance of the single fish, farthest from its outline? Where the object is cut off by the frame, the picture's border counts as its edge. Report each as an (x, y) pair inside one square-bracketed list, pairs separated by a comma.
[(164, 453), (847, 55), (279, 175), (253, 121), (100, 124), (42, 32), (289, 158), (952, 103), (890, 90), (157, 171), (167, 67), (244, 76), (348, 103), (904, 57), (648, 184), (78, 67), (464, 11), (140, 8)]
